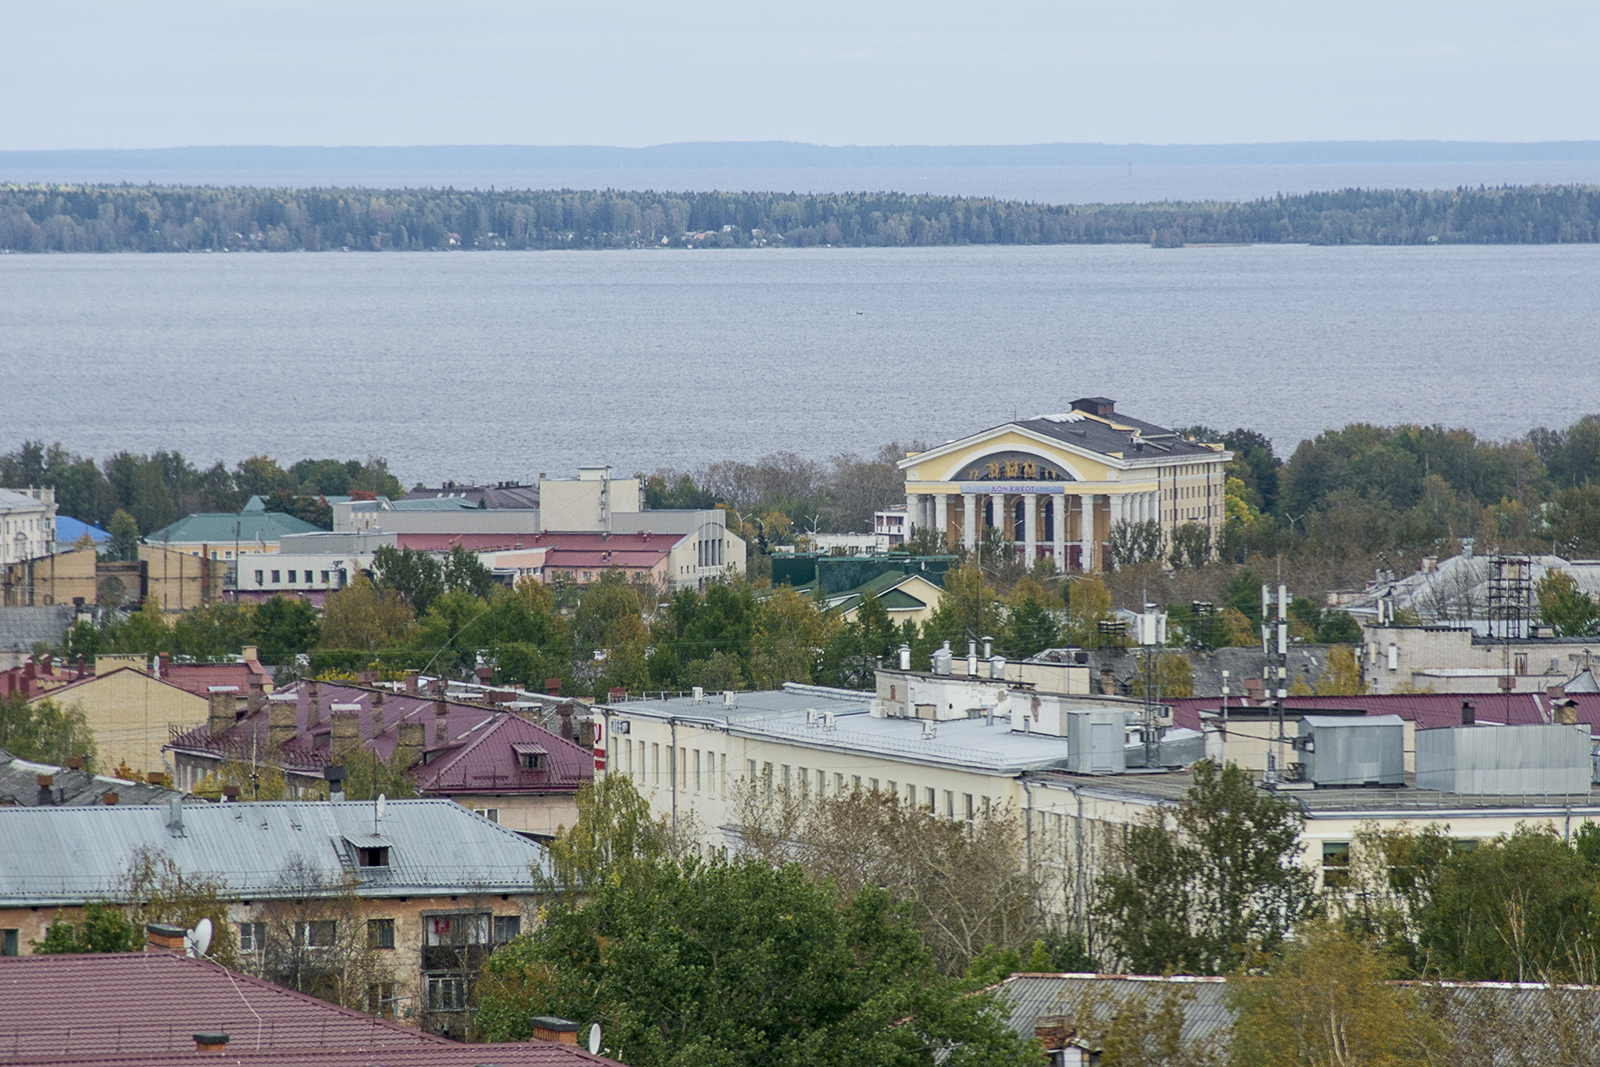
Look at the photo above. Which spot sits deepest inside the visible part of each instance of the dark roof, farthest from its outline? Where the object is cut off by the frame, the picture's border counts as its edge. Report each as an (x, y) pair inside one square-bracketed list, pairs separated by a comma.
[(19, 786), (470, 754), (23, 628), (1114, 433), (520, 497), (145, 1008)]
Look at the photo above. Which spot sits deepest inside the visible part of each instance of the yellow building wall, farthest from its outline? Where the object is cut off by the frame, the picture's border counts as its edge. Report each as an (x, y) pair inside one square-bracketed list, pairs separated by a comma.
[(54, 579), (130, 714), (180, 581)]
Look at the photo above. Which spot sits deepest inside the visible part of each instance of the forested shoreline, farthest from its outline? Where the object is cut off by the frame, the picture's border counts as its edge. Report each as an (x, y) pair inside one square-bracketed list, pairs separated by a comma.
[(149, 218)]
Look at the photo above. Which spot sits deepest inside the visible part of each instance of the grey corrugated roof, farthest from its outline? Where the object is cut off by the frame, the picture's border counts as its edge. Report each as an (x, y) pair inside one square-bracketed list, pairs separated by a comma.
[(1031, 996), (57, 856), (19, 785), (22, 628), (1114, 433)]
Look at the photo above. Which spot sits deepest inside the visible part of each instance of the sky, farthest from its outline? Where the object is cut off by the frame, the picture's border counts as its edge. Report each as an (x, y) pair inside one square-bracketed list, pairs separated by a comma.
[(114, 74)]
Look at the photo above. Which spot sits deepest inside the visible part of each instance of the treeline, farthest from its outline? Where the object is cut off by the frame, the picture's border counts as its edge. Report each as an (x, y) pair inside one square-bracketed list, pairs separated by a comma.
[(128, 218), (158, 489)]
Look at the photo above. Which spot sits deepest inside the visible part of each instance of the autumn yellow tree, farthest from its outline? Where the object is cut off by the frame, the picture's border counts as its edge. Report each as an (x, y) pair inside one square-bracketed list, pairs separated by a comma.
[(1342, 677), (1327, 1002)]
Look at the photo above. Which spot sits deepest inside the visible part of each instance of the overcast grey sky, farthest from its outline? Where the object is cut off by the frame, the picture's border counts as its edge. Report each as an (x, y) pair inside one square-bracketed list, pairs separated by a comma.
[(120, 74)]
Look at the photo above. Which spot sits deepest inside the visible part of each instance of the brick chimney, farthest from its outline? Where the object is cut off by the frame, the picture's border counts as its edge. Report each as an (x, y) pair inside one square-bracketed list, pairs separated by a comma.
[(313, 703), (160, 937), (258, 692), (565, 713), (1108, 681), (211, 1042), (281, 726), (223, 699), (441, 722), (484, 674), (377, 714), (410, 740), (550, 1028), (1054, 1032), (166, 666), (346, 729), (411, 683), (552, 686)]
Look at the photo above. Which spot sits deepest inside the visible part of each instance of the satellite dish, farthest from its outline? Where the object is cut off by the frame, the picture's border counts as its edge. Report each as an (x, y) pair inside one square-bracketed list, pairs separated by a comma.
[(594, 1039), (382, 800), (198, 939)]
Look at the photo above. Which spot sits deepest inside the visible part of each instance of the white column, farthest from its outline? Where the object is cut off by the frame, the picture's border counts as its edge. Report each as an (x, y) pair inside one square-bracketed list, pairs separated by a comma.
[(969, 520), (1086, 551), (941, 516), (1058, 530), (998, 500), (1030, 528)]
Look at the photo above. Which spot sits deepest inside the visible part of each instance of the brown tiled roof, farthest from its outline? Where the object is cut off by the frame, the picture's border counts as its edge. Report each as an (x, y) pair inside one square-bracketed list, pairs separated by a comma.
[(145, 1008)]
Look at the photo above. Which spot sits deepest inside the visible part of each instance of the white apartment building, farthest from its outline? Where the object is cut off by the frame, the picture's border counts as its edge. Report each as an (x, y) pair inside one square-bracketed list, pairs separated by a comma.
[(27, 524)]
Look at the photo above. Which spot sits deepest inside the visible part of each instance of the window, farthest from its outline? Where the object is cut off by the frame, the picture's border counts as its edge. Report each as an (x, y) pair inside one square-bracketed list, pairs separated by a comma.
[(932, 801), (949, 804), (766, 776), (375, 856), (324, 577), (258, 578), (319, 933), (1335, 864), (380, 933), (655, 761), (821, 780), (492, 814), (252, 937), (506, 927), (530, 761), (275, 578), (697, 770), (380, 999), (291, 577), (838, 784), (872, 784), (752, 772), (8, 943), (785, 777), (456, 928), (447, 992), (967, 799), (855, 782)]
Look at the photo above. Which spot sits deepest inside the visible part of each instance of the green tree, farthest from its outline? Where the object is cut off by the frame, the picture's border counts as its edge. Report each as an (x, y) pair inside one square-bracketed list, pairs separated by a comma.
[(1565, 606), (124, 544), (1191, 545), (614, 838), (104, 929), (363, 616), (285, 628), (45, 732), (416, 576), (1088, 605), (734, 963), (1338, 628), (1135, 542), (1031, 627), (1206, 886)]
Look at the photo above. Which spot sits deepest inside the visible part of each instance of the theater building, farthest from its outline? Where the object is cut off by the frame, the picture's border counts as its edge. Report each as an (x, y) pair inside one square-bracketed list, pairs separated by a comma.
[(1056, 485)]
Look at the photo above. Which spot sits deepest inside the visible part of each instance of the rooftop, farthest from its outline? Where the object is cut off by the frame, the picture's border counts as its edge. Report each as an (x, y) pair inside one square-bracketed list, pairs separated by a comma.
[(146, 1007), (978, 744), (220, 528), (19, 786), (68, 855)]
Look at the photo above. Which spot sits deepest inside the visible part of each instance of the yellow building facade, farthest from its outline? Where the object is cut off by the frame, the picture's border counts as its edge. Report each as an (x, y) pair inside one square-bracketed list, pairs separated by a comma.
[(1058, 485), (131, 714)]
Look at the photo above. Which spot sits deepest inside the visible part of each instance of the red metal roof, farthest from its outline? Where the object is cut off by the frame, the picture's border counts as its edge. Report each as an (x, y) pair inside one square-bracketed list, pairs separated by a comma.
[(1427, 710), (479, 749), (145, 1008), (638, 551)]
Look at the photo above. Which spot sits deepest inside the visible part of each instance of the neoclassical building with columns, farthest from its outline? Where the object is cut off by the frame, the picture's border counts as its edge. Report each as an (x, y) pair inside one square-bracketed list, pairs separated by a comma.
[(1057, 484)]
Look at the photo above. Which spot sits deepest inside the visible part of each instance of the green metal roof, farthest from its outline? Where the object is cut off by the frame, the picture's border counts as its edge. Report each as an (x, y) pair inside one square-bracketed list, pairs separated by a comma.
[(220, 527), (887, 589)]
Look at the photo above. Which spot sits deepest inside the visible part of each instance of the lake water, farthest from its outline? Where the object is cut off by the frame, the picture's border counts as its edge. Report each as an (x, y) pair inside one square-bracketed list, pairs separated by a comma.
[(503, 365)]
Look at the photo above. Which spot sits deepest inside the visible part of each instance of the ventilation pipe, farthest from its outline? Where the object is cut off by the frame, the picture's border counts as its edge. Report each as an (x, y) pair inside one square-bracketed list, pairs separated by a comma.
[(1469, 713), (941, 660), (997, 667), (972, 658), (905, 657), (988, 648)]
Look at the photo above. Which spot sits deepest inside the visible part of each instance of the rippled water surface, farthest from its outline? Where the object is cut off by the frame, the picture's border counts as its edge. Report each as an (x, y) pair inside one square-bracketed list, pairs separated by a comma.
[(504, 365)]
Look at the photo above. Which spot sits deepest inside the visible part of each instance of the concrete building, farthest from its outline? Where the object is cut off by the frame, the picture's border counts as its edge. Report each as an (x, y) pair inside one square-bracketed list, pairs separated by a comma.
[(308, 565), (27, 524), (1056, 485), (437, 888), (892, 527), (1458, 659)]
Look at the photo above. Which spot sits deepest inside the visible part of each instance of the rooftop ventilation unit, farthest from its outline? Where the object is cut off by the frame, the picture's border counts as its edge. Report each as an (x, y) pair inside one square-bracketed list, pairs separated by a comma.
[(1529, 760), (1095, 742), (1366, 750)]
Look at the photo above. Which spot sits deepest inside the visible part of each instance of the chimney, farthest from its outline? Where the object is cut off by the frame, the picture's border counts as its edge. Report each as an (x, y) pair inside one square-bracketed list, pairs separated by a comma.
[(281, 726), (81, 671), (211, 1042), (258, 695), (223, 699), (565, 713), (410, 739), (411, 683), (550, 1028), (49, 664), (616, 695), (346, 729), (313, 703), (1054, 1032), (1564, 711), (1469, 713), (366, 677), (1108, 682), (160, 937), (441, 722), (586, 734), (484, 674), (109, 799), (552, 686), (166, 666), (905, 657), (249, 653), (377, 713), (334, 776), (74, 763)]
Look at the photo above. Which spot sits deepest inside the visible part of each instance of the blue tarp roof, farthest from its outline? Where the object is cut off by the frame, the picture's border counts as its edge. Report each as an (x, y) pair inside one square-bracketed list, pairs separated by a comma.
[(69, 530)]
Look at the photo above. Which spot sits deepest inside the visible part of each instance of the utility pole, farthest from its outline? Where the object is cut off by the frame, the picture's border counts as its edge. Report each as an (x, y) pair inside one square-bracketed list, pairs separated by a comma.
[(1276, 655)]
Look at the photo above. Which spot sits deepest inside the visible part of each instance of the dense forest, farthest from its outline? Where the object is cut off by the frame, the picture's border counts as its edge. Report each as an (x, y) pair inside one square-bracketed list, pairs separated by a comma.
[(127, 218)]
